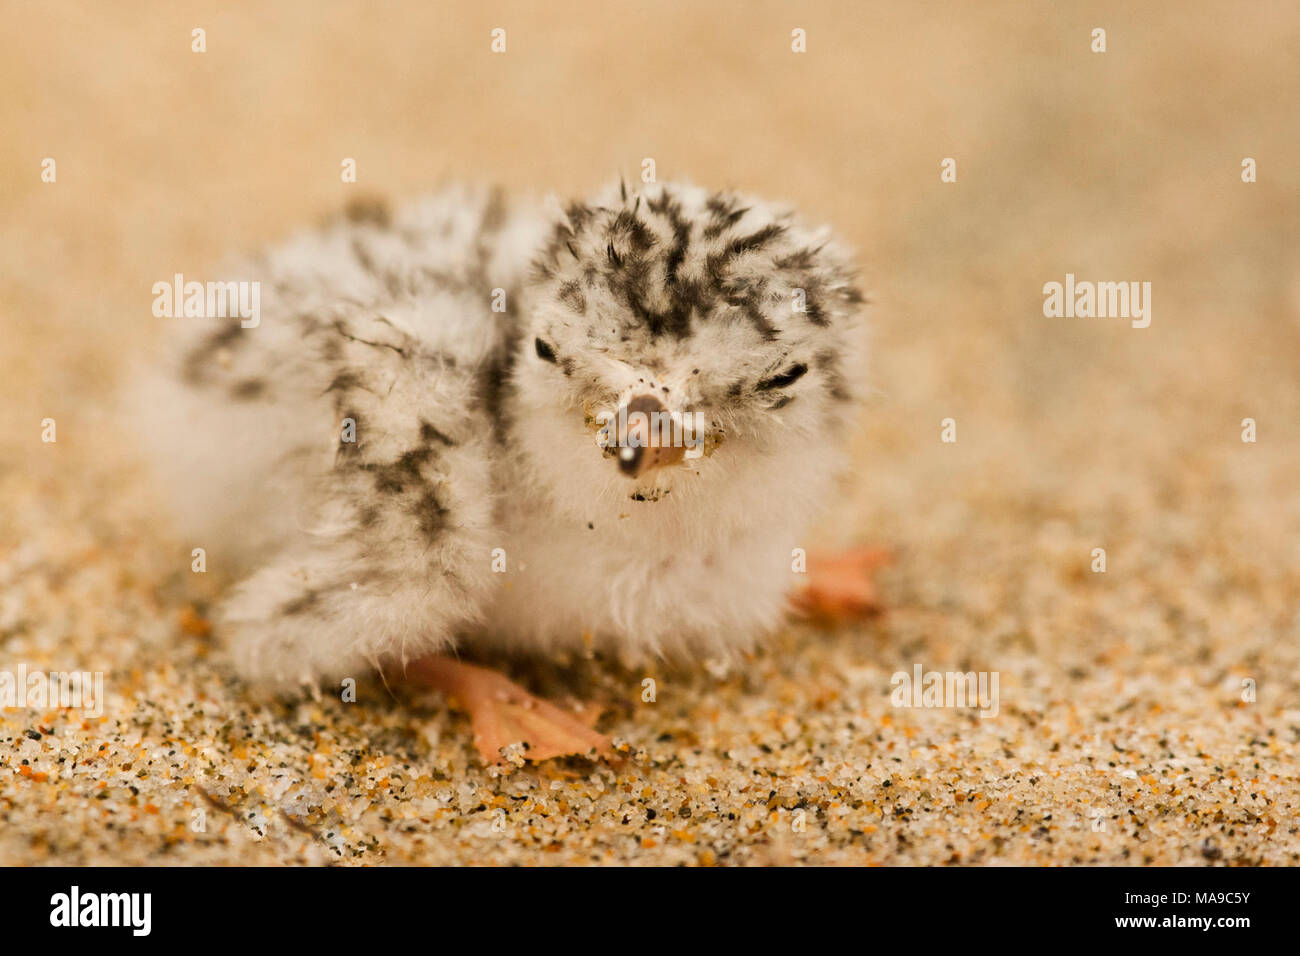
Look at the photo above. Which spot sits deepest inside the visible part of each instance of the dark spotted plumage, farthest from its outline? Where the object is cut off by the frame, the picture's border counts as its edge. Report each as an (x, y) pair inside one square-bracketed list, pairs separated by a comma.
[(788, 377), (666, 268), (369, 423), (671, 268)]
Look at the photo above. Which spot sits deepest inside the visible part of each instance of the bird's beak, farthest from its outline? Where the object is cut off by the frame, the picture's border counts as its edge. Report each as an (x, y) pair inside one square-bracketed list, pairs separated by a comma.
[(648, 436)]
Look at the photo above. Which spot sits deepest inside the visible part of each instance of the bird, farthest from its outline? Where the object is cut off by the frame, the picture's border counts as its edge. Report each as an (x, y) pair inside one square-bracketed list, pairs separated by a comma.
[(475, 422)]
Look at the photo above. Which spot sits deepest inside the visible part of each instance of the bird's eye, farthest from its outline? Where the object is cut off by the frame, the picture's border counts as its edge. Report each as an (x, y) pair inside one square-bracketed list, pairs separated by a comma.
[(544, 351), (788, 377)]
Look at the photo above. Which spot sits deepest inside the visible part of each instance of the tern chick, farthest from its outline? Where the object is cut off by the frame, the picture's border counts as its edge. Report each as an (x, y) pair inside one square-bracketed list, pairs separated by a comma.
[(474, 422)]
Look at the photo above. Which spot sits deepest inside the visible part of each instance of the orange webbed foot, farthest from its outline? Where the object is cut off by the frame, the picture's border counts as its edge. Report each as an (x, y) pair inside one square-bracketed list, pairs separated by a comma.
[(841, 587), (503, 714)]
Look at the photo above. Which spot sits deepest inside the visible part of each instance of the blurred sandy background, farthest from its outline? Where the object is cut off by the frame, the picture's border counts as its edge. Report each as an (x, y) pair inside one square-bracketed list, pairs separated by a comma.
[(1121, 692)]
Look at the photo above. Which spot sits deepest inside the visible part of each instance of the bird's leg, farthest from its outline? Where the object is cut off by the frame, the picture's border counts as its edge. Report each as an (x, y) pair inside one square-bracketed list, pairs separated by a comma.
[(503, 713), (840, 586)]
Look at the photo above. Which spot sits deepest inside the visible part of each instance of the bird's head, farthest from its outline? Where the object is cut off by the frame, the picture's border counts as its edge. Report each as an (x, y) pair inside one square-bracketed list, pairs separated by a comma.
[(676, 339)]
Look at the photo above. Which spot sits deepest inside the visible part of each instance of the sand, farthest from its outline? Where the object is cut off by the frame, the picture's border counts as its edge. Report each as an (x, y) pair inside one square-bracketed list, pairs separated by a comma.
[(1147, 714)]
